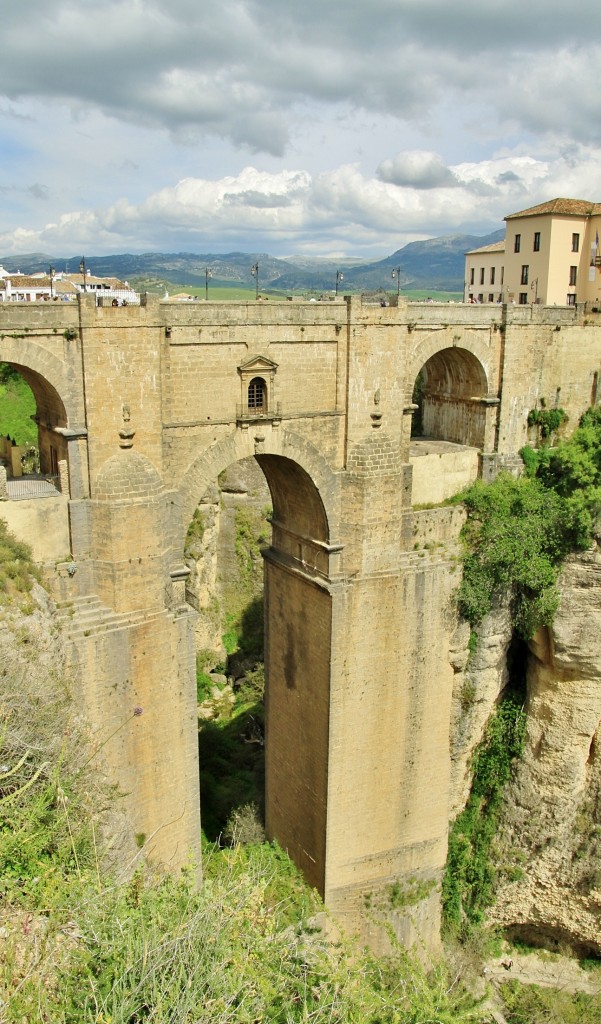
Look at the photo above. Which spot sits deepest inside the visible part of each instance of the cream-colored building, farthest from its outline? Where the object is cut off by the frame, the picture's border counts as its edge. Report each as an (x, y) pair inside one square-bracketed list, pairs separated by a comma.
[(551, 255), (484, 273)]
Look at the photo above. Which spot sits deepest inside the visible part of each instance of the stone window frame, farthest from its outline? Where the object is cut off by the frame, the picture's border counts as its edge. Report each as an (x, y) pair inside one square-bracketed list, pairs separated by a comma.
[(258, 368)]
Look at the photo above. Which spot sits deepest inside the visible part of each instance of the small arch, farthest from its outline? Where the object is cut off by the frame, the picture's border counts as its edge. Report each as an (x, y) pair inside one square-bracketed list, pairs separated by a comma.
[(452, 386), (50, 417), (46, 371), (257, 395)]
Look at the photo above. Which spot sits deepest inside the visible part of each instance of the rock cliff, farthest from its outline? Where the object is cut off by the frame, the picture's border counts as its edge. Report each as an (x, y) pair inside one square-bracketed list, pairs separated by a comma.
[(550, 843)]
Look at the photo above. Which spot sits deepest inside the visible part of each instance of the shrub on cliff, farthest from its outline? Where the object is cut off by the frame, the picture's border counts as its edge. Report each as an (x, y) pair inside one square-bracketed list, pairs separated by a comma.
[(519, 531)]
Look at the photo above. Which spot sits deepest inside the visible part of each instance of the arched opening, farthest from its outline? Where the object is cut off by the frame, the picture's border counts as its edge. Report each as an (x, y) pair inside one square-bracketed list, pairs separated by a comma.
[(34, 461), (32, 415), (448, 391), (257, 395), (448, 425), (271, 754)]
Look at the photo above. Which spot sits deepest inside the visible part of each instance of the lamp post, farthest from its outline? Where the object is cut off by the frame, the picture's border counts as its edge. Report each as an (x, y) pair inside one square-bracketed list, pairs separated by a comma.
[(255, 273), (51, 273), (339, 278), (397, 273), (208, 274), (82, 270)]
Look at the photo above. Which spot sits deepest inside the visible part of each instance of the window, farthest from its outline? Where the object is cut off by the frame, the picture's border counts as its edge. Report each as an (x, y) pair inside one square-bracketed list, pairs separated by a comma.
[(502, 276), (491, 297), (571, 299), (517, 243), (481, 275), (257, 395), (575, 242), (480, 297), (524, 277), (523, 298), (536, 246), (492, 275), (472, 275), (573, 272)]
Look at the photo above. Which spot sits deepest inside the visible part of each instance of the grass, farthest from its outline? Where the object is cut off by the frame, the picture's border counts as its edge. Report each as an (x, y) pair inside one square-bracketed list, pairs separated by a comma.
[(529, 1004), (17, 406), (420, 295)]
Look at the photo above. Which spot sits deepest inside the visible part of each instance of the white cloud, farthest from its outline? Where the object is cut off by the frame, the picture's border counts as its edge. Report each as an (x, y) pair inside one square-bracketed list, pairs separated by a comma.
[(283, 211)]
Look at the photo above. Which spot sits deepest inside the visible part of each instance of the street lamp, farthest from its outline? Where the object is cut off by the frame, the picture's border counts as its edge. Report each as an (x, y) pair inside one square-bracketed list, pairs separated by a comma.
[(397, 273), (339, 278), (255, 273), (82, 270), (51, 273), (208, 274)]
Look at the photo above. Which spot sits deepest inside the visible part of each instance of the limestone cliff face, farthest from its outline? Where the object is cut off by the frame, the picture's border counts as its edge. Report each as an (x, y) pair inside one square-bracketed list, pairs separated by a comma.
[(213, 551), (478, 683), (550, 843)]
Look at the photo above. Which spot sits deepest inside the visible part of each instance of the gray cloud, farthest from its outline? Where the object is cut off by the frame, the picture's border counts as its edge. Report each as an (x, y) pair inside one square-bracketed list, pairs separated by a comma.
[(237, 69), (417, 169)]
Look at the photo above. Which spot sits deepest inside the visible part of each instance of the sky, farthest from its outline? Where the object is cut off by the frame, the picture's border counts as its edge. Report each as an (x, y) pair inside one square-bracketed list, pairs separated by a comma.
[(321, 127)]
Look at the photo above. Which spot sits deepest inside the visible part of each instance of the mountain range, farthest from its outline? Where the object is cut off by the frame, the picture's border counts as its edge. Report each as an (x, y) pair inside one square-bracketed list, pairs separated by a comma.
[(436, 264)]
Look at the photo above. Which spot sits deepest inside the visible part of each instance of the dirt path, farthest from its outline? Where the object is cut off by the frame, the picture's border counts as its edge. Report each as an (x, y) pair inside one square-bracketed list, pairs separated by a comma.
[(552, 971)]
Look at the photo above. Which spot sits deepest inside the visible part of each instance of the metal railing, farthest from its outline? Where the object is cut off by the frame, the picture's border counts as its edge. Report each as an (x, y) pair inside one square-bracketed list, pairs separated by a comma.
[(243, 413), (30, 486)]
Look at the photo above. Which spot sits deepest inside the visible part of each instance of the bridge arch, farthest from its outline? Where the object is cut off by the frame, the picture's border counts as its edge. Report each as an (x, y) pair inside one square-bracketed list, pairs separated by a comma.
[(451, 387), (44, 374), (244, 443), (298, 620), (41, 369)]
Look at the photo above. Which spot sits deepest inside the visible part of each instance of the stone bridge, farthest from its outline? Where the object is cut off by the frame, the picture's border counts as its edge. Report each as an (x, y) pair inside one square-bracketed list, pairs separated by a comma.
[(141, 408)]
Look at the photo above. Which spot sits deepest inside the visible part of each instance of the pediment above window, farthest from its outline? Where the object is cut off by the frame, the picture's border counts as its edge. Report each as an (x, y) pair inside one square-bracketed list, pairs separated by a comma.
[(257, 365)]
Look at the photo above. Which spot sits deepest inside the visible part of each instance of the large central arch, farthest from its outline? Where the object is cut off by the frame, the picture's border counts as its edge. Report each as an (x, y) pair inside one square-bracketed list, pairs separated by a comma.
[(298, 627)]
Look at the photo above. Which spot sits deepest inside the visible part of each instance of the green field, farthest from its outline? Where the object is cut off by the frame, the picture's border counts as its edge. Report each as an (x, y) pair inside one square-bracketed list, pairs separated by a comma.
[(218, 293), (420, 296)]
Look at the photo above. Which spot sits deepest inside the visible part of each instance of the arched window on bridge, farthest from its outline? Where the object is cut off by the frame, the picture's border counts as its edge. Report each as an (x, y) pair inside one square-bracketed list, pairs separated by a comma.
[(257, 395)]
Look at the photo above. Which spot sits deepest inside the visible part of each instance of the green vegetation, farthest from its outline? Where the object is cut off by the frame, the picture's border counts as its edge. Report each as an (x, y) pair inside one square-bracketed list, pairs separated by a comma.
[(195, 531), (244, 605), (81, 945), (547, 421), (529, 1004), (516, 536), (519, 531), (17, 406), (468, 885), (17, 571)]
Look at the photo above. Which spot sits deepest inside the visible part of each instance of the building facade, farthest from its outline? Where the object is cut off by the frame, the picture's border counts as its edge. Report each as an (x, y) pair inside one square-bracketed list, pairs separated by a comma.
[(550, 256)]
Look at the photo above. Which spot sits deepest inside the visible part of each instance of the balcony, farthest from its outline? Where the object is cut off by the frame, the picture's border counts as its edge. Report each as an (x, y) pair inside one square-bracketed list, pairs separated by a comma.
[(245, 415)]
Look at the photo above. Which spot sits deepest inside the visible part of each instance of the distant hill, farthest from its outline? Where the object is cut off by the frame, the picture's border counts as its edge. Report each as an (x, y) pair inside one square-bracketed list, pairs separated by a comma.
[(436, 264)]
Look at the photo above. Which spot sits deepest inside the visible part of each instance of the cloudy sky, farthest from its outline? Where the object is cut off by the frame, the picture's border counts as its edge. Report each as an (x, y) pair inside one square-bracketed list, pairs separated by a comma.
[(320, 127)]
